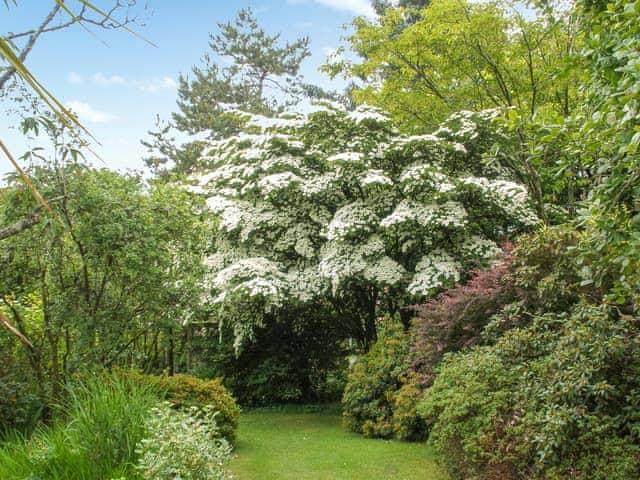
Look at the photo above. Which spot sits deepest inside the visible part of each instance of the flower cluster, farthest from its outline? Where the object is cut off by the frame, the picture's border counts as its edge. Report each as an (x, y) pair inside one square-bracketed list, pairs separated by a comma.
[(310, 204), (434, 270)]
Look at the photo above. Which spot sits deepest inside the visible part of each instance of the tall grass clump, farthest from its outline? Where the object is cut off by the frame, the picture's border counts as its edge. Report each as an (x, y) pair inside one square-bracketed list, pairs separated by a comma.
[(94, 436)]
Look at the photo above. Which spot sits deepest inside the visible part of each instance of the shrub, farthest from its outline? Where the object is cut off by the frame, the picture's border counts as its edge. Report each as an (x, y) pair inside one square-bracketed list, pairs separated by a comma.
[(556, 399), (294, 359), (406, 422), (20, 405), (375, 377), (184, 391), (455, 319), (183, 444)]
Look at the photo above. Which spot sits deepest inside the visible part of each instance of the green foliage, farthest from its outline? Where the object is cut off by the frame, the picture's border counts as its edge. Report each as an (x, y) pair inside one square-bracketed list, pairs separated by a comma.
[(423, 65), (554, 399), (374, 378), (182, 444), (185, 391), (20, 405), (406, 421), (296, 358), (604, 144), (120, 264), (94, 435)]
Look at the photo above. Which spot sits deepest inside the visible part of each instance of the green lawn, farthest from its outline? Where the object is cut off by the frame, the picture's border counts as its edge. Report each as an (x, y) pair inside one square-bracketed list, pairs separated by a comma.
[(314, 446)]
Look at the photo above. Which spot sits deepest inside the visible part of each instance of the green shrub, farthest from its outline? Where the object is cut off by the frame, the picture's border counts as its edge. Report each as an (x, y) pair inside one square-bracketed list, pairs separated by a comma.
[(406, 422), (20, 405), (373, 381), (183, 444), (94, 436), (557, 399), (185, 391)]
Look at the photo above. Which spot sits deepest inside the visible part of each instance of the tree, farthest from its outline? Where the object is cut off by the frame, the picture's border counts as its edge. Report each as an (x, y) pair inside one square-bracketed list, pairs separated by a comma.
[(113, 286), (340, 208), (261, 68), (381, 6), (261, 77), (14, 50), (460, 55), (605, 140)]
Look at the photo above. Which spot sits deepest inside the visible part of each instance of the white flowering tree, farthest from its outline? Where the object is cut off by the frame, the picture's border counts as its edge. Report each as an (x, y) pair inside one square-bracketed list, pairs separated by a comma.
[(339, 208)]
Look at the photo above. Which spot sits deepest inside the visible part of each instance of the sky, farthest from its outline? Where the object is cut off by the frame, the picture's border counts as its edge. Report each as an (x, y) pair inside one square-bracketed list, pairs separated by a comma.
[(118, 84)]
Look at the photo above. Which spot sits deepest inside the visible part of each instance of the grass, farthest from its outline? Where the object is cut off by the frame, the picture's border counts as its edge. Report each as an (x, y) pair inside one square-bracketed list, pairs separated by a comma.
[(94, 438), (301, 445)]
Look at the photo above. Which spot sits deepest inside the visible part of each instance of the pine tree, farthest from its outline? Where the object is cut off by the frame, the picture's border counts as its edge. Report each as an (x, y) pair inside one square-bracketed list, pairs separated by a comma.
[(262, 77), (245, 70)]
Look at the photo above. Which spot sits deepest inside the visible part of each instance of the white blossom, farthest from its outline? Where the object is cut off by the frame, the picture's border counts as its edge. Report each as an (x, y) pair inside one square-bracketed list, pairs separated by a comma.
[(350, 219), (255, 276), (434, 270), (298, 219), (384, 271), (376, 176), (449, 214), (479, 248), (366, 112), (218, 203), (339, 260), (278, 181), (346, 157)]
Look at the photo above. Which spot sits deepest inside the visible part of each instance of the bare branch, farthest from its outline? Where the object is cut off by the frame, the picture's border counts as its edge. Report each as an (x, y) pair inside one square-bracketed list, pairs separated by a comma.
[(82, 17), (5, 321), (30, 43)]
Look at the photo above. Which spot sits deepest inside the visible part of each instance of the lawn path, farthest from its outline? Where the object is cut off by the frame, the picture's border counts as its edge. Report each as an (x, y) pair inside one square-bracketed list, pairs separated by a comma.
[(313, 446)]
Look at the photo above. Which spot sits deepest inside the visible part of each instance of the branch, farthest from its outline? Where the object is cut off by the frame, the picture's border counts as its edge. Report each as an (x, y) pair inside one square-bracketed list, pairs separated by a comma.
[(107, 22), (18, 227), (23, 224), (27, 181), (5, 321), (43, 27), (29, 46)]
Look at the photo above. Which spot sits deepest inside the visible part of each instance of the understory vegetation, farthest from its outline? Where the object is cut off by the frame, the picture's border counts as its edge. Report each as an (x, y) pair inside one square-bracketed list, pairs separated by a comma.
[(450, 247), (114, 427)]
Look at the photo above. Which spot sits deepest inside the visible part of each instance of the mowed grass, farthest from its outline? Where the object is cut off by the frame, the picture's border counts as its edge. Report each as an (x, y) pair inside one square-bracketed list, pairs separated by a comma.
[(314, 446)]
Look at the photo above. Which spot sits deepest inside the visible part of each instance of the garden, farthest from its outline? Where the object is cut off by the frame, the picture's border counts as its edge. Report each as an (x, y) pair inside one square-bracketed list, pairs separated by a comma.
[(431, 272)]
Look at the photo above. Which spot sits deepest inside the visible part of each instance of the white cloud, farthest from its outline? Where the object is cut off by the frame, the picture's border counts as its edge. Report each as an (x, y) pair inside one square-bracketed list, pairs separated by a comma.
[(88, 114), (76, 78), (357, 7), (150, 85), (156, 84), (304, 25), (105, 81)]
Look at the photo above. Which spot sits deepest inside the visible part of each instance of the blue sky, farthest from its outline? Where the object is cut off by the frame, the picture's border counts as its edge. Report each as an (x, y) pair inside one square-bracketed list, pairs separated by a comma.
[(118, 83)]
